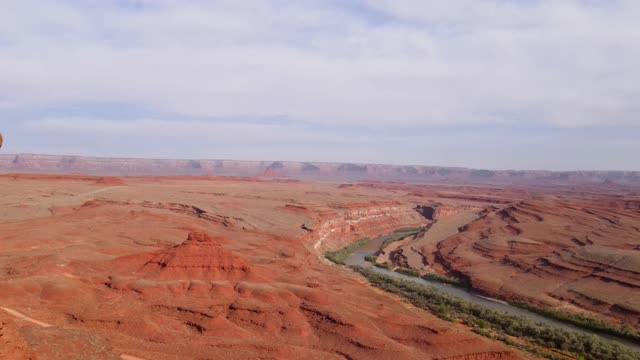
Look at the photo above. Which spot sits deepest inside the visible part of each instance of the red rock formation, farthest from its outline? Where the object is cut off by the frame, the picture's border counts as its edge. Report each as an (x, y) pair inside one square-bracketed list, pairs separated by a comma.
[(143, 270), (360, 220), (199, 257), (553, 252)]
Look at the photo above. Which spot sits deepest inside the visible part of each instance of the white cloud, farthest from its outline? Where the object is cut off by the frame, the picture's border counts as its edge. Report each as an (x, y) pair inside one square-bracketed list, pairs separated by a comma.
[(222, 132), (410, 63)]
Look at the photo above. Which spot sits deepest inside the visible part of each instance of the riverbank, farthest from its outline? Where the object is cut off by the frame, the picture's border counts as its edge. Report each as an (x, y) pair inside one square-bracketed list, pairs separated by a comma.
[(536, 338), (582, 342)]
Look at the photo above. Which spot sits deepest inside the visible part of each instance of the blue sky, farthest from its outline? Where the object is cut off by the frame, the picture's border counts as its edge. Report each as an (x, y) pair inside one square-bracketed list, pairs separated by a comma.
[(486, 84)]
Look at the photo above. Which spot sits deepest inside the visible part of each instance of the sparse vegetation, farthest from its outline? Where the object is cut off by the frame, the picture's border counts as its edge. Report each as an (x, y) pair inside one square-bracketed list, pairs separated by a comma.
[(408, 272), (584, 321), (442, 279), (384, 265), (371, 258), (513, 330), (339, 256), (412, 230), (429, 277)]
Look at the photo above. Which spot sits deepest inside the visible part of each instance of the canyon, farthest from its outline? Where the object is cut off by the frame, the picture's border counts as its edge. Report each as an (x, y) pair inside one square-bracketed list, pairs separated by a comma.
[(190, 268), (578, 251), (207, 267)]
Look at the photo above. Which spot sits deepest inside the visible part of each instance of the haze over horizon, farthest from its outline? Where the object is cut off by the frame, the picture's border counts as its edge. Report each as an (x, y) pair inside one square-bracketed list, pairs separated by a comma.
[(509, 85)]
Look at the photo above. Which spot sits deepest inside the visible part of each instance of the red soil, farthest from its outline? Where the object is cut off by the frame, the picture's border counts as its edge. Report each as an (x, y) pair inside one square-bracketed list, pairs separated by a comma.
[(204, 268), (575, 249), (583, 252), (200, 257)]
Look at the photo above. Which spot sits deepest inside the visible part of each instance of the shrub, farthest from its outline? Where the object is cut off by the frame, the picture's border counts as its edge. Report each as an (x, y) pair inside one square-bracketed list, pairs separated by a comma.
[(408, 272), (339, 256), (443, 279), (584, 321), (385, 265), (413, 230), (504, 325)]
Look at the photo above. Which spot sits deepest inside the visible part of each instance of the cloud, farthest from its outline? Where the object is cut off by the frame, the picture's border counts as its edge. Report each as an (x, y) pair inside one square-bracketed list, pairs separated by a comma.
[(509, 84), (238, 132), (493, 147), (379, 64)]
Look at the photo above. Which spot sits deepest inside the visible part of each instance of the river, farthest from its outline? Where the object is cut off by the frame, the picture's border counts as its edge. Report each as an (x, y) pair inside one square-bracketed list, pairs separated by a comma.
[(357, 258)]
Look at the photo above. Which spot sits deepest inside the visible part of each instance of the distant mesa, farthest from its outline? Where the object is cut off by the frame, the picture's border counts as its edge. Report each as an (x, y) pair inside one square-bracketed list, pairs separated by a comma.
[(514, 173), (482, 174), (28, 163), (309, 167), (443, 171), (273, 169), (410, 170), (276, 165), (352, 168), (560, 176)]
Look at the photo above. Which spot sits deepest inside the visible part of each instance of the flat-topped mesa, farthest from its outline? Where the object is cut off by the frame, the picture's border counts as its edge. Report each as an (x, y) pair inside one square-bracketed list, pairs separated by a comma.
[(201, 256), (11, 163)]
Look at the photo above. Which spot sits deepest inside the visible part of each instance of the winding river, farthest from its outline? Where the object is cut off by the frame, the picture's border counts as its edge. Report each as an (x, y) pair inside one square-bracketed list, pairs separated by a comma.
[(357, 258)]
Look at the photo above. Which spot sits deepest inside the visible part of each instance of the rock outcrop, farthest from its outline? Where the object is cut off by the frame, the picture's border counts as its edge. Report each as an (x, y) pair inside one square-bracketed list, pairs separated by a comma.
[(200, 257), (552, 252)]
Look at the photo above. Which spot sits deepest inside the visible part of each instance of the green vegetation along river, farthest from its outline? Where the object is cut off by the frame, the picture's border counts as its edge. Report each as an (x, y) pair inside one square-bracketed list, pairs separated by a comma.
[(369, 248)]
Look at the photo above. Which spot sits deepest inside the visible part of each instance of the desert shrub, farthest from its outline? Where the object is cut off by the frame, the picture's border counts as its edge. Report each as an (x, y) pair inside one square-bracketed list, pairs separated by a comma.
[(339, 256), (456, 309), (408, 272), (587, 322), (413, 230), (442, 279), (385, 265)]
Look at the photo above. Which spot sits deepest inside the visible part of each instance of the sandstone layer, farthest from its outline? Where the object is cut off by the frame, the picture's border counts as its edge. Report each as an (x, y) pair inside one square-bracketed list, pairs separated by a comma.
[(209, 268), (572, 249)]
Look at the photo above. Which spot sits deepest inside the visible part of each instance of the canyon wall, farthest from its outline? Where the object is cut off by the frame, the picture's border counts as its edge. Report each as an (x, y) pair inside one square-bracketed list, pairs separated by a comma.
[(367, 220), (307, 170)]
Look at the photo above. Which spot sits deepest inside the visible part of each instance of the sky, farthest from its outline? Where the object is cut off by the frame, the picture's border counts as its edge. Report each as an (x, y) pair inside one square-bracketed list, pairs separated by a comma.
[(497, 84)]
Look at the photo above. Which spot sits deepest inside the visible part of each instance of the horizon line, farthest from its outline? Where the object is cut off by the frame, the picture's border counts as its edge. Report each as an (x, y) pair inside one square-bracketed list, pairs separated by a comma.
[(321, 162)]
